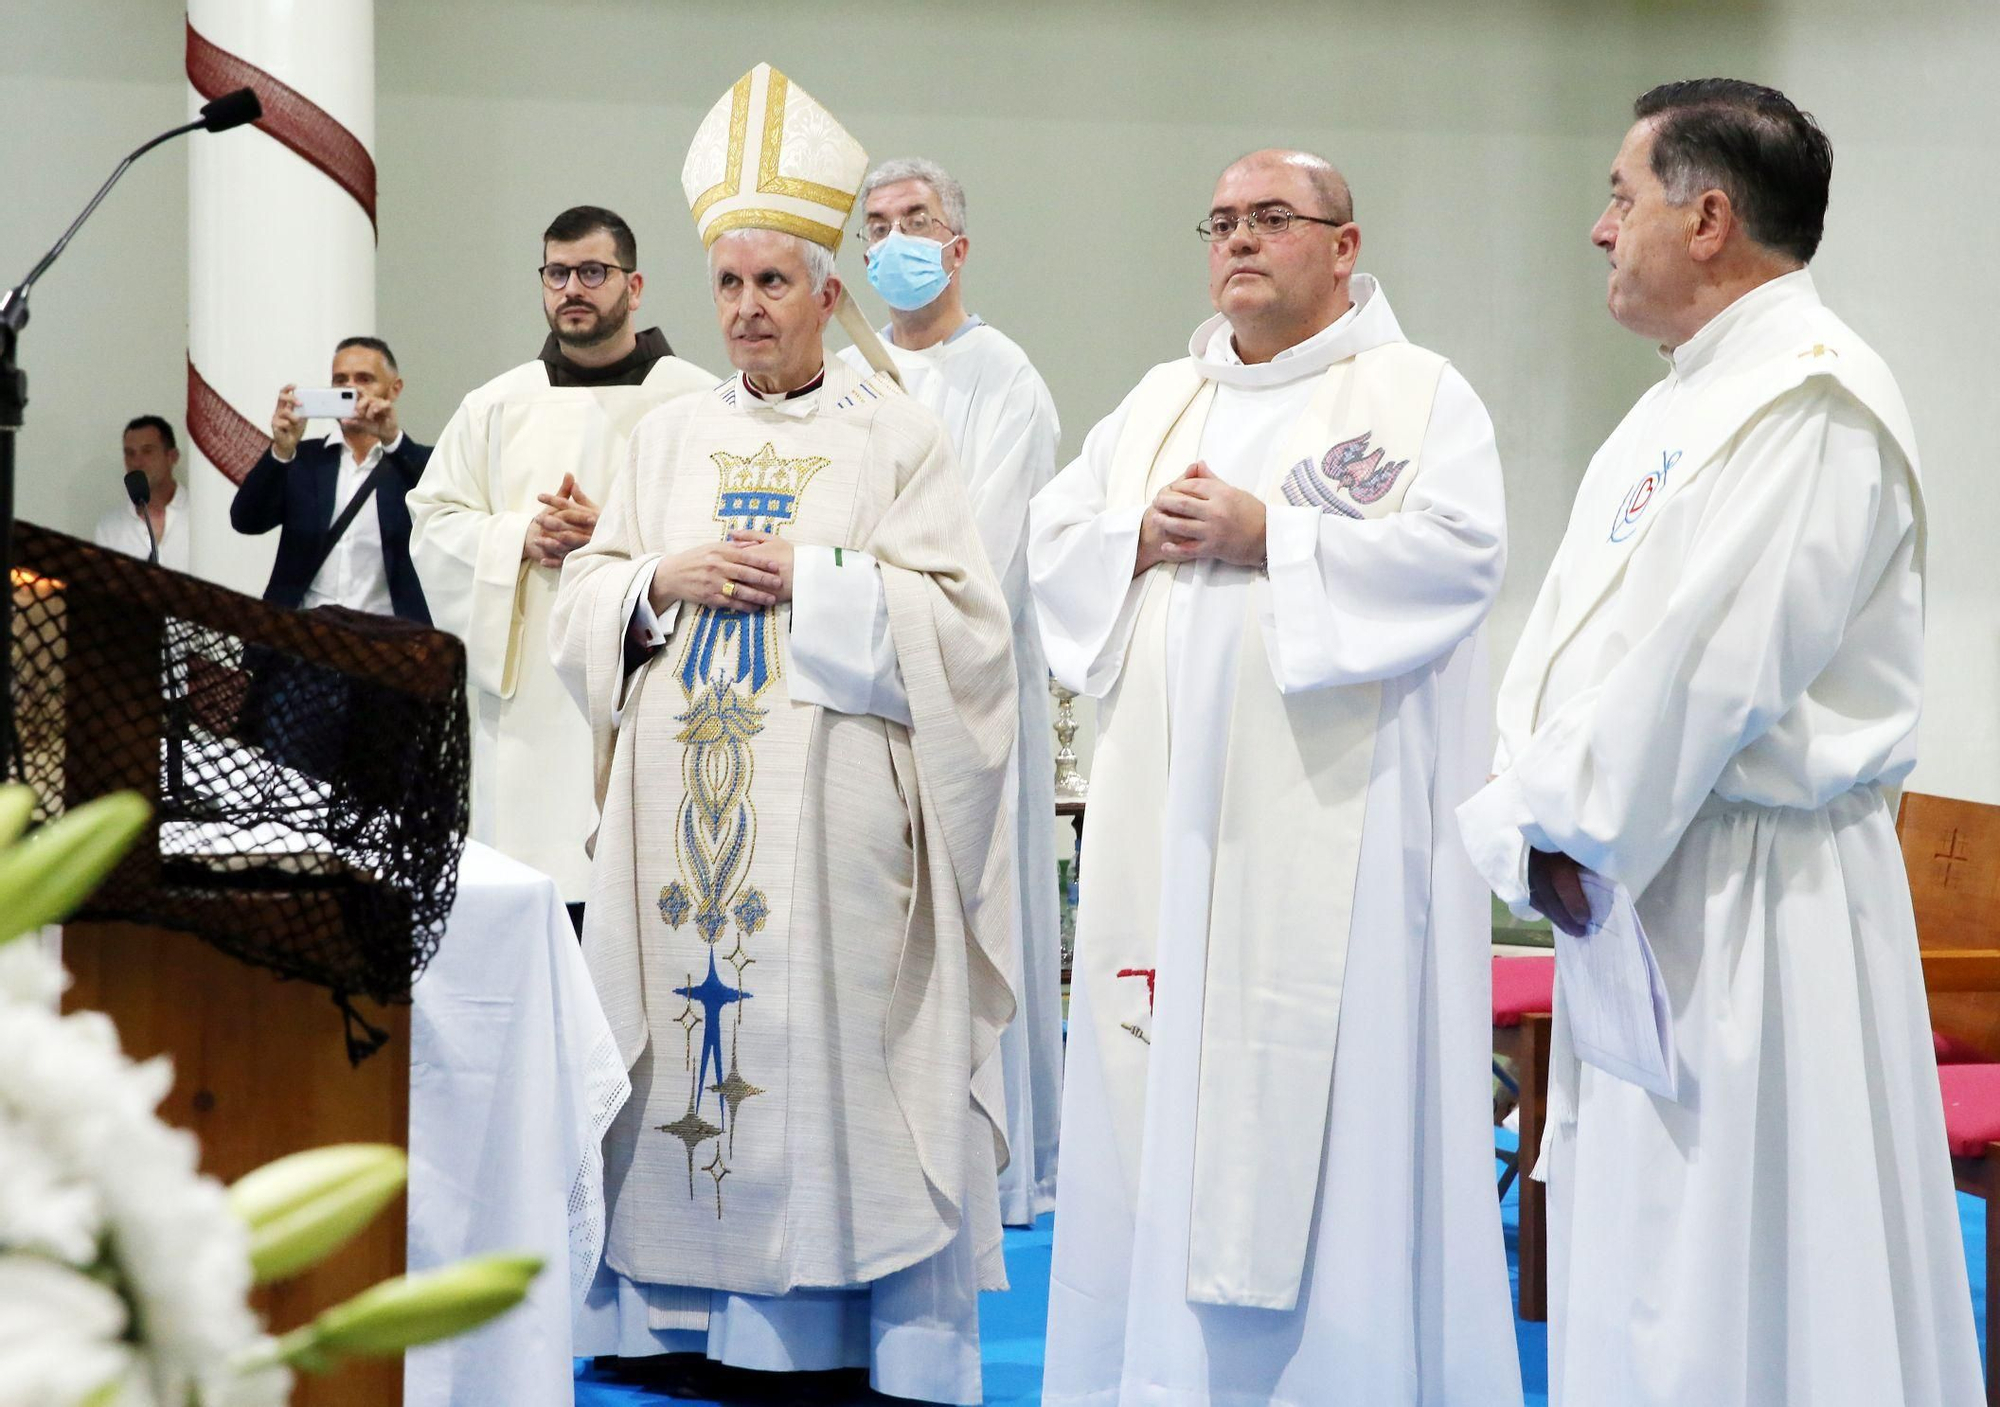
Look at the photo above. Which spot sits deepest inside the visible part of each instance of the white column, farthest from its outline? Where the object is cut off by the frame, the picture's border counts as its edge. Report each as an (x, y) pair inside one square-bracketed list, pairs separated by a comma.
[(281, 258)]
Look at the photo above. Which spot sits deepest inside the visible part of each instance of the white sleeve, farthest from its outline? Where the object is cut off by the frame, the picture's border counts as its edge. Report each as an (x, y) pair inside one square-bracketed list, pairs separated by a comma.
[(467, 552), (653, 627), (1080, 560), (1352, 601), (1616, 775), (1014, 459), (842, 657)]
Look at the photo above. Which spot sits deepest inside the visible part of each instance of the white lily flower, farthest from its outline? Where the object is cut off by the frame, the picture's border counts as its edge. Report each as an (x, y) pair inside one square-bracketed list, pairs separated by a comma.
[(60, 1335)]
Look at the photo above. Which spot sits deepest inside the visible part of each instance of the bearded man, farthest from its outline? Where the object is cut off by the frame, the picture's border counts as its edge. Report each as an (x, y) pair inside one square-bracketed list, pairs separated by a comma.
[(512, 488)]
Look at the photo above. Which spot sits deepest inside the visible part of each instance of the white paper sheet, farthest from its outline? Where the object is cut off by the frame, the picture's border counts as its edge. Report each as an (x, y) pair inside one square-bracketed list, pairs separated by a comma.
[(1612, 997)]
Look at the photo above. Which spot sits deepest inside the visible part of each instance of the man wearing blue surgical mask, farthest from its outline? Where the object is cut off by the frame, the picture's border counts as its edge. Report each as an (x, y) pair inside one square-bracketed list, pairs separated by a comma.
[(1003, 426)]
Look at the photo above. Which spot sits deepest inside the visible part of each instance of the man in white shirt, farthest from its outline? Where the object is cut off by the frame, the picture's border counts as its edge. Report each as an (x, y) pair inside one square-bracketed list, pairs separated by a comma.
[(1002, 424), (134, 528), (1712, 705), (305, 487)]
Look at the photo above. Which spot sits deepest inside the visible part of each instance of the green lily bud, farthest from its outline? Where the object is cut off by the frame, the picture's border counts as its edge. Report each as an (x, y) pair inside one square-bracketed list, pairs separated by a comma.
[(410, 1310), (17, 807), (302, 1208), (45, 876)]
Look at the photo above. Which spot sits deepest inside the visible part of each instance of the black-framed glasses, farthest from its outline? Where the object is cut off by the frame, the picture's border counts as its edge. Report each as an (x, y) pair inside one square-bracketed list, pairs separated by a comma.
[(591, 273), (1264, 220)]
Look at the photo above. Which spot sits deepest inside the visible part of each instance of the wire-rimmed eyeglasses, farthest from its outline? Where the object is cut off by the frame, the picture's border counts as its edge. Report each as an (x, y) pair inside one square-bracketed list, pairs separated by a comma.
[(1264, 220)]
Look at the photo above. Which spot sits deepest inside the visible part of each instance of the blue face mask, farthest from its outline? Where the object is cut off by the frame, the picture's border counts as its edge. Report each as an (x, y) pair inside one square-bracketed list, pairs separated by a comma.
[(908, 273)]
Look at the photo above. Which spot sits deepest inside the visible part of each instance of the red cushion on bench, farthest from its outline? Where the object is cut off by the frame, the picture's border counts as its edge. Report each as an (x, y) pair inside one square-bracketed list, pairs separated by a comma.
[(1971, 1108), (1522, 987), (1953, 1051)]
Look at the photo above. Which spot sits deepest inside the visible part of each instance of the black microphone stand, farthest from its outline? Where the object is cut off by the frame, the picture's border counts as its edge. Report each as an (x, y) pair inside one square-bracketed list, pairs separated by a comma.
[(227, 111), (141, 494)]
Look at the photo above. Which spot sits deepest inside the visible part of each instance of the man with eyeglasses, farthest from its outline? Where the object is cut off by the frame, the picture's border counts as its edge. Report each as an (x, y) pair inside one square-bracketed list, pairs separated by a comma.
[(1002, 423), (513, 487), (1271, 564), (797, 664)]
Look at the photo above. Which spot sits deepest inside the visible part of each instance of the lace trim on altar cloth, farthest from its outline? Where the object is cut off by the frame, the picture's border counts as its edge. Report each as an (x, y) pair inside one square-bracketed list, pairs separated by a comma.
[(605, 1090)]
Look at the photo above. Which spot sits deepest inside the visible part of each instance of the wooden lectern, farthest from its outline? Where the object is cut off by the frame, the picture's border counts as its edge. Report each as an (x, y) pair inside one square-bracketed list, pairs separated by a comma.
[(260, 1070), (117, 686)]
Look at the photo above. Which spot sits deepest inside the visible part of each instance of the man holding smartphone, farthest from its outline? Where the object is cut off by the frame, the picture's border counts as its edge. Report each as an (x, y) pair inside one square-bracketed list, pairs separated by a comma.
[(338, 499)]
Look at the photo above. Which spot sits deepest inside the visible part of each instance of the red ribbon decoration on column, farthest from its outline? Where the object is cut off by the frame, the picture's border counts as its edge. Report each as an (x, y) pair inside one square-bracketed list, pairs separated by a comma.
[(289, 117), (226, 439)]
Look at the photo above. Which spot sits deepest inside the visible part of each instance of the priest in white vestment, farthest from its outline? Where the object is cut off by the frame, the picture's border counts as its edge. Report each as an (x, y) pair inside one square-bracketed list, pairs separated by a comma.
[(512, 487), (795, 662), (1003, 425), (1271, 564), (1712, 705)]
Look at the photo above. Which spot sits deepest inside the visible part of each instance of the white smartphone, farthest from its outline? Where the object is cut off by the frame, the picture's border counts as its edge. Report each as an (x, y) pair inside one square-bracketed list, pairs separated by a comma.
[(336, 403)]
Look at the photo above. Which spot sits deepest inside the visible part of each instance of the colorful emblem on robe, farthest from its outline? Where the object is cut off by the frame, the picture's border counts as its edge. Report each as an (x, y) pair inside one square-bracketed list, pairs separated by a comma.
[(1641, 495), (729, 660), (1350, 467), (1133, 1028)]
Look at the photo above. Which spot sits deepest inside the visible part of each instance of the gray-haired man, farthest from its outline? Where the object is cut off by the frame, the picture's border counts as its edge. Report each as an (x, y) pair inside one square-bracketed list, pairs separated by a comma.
[(1003, 426)]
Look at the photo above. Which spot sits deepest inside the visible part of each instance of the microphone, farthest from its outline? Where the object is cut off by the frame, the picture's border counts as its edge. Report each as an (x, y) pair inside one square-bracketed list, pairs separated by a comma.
[(141, 494), (231, 110)]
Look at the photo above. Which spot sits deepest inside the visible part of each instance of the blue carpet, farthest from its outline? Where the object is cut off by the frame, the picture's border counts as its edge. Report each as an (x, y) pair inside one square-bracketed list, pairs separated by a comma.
[(1011, 1324)]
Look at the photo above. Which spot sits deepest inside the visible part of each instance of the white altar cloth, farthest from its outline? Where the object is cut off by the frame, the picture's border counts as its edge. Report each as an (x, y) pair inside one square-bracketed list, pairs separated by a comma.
[(514, 1076)]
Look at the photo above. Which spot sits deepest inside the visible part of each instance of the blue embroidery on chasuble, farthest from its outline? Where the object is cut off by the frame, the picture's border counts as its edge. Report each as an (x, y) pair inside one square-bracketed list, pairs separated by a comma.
[(729, 660), (1365, 475), (1640, 496)]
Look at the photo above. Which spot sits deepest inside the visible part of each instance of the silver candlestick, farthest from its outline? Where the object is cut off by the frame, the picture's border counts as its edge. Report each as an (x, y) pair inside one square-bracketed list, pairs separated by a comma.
[(1071, 785)]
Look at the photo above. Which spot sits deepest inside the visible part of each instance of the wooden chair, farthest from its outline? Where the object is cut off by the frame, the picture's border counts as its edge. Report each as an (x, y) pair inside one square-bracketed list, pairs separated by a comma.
[(1523, 995), (1971, 1092), (1952, 852)]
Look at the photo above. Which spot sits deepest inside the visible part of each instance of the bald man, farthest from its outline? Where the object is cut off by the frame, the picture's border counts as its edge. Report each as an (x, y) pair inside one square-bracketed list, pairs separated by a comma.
[(1271, 563)]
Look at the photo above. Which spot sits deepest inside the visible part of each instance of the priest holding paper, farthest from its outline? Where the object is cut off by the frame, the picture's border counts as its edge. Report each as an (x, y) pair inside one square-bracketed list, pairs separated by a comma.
[(514, 486), (795, 663), (1271, 564), (1711, 708)]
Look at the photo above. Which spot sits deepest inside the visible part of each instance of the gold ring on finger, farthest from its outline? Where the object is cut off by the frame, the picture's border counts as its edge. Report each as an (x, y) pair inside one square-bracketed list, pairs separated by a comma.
[(728, 588)]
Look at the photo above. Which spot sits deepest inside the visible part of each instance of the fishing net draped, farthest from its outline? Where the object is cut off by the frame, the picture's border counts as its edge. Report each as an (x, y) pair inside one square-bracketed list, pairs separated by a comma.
[(308, 771)]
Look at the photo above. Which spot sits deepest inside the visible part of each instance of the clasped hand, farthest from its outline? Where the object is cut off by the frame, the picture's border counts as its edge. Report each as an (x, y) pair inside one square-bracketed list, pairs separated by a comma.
[(565, 524), (1198, 515), (745, 571)]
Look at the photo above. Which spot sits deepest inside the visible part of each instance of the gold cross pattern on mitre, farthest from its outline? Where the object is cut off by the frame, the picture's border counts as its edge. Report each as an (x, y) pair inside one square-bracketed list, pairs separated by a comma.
[(767, 157)]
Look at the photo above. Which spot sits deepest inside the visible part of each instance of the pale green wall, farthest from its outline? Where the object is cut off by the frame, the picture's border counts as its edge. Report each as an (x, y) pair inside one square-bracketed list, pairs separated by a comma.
[(1476, 136)]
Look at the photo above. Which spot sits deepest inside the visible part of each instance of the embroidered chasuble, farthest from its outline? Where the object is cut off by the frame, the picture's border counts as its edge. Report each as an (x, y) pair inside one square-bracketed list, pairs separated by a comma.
[(1004, 431), (799, 922)]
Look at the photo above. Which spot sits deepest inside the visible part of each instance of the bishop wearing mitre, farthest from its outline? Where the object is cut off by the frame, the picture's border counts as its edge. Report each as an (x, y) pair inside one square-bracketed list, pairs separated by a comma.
[(795, 663)]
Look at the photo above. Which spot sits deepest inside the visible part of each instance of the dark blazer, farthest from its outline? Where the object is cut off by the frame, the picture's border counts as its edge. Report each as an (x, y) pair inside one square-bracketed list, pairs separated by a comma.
[(299, 498)]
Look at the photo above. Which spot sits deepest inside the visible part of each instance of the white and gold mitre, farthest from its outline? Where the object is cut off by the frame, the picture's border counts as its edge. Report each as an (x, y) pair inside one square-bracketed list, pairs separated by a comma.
[(767, 157)]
